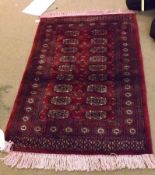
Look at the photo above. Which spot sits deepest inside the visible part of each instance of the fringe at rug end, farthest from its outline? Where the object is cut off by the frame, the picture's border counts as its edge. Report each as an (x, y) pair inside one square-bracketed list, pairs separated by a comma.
[(61, 162), (8, 146), (53, 14)]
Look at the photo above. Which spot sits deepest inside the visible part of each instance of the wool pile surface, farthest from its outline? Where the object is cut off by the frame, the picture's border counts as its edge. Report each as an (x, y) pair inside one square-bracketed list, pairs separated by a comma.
[(82, 100)]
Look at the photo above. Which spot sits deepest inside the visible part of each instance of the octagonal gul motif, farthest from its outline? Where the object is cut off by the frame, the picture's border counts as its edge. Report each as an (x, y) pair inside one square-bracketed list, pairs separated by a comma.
[(57, 100), (96, 115), (96, 101), (97, 88), (58, 114), (62, 88)]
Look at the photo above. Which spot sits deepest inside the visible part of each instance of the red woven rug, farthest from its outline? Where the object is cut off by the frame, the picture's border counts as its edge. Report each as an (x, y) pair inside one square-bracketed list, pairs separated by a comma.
[(82, 100)]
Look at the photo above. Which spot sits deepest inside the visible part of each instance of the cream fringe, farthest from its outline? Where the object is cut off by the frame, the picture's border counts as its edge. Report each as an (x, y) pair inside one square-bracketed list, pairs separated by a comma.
[(84, 13), (76, 162)]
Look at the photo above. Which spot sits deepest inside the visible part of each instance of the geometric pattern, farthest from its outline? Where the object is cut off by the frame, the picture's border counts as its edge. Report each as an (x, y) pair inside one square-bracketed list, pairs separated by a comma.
[(83, 91)]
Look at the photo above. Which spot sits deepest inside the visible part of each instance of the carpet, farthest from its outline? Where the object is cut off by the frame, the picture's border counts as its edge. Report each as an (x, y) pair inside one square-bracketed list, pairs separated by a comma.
[(82, 100)]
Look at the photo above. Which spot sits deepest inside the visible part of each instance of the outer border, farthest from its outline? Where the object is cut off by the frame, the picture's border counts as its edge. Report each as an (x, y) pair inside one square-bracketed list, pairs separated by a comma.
[(144, 90), (34, 46), (143, 85)]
